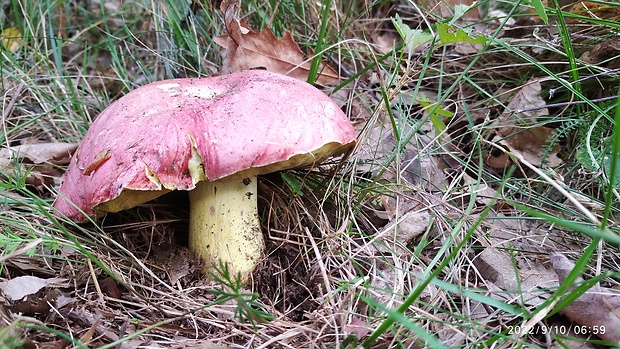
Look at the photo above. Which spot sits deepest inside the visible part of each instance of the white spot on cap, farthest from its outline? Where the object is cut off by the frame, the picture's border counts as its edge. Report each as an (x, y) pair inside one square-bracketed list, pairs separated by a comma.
[(201, 92), (150, 112), (104, 133), (301, 110), (171, 88), (329, 109)]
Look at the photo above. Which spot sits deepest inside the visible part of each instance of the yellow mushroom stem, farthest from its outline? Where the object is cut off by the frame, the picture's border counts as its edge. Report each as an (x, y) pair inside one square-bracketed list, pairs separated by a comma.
[(224, 224)]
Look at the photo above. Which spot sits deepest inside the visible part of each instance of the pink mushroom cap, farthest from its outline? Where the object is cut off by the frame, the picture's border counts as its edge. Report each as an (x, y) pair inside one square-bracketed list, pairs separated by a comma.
[(153, 139)]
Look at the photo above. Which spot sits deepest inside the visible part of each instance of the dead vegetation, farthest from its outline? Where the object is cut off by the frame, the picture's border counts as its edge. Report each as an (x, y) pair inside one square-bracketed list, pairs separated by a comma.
[(476, 187)]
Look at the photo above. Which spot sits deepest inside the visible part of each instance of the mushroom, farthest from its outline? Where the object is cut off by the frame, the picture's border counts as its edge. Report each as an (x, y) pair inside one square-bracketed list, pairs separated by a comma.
[(212, 137)]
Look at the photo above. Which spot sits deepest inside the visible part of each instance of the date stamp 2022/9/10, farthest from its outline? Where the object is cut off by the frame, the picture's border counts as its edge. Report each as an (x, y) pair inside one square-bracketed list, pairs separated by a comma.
[(559, 329)]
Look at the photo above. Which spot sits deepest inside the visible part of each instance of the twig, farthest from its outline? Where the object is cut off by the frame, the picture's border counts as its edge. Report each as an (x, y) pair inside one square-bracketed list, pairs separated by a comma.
[(21, 250), (564, 104), (607, 72)]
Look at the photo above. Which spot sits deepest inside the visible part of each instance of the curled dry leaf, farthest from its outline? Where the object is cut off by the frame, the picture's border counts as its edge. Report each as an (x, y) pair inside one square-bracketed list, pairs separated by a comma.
[(605, 53), (526, 283), (517, 130), (177, 262), (598, 308), (246, 49), (402, 230), (359, 327), (39, 153), (31, 295), (445, 8), (42, 159), (22, 286), (599, 10)]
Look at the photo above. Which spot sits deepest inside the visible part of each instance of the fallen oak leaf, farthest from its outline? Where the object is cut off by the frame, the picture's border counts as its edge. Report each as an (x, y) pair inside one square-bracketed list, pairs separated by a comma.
[(597, 308), (358, 327), (452, 8), (38, 153), (605, 53), (22, 286), (516, 282), (595, 10), (246, 49), (39, 161), (529, 141), (234, 39)]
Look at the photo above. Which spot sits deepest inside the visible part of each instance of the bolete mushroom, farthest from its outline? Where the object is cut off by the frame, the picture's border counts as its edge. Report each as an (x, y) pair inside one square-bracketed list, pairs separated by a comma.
[(212, 137)]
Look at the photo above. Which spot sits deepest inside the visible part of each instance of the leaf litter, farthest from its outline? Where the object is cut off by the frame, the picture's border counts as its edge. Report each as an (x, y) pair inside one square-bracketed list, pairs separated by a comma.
[(41, 161), (246, 49), (519, 129), (598, 308)]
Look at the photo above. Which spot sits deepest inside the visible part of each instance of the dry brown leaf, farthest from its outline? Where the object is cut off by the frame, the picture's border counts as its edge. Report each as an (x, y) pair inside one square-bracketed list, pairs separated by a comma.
[(81, 317), (484, 193), (516, 276), (246, 49), (263, 50), (598, 308), (178, 262), (38, 153), (606, 53), (358, 106), (445, 8), (231, 41), (423, 170), (31, 295), (359, 327), (499, 268), (531, 142), (407, 227), (375, 144), (42, 159), (596, 10), (385, 42), (22, 286), (110, 288)]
